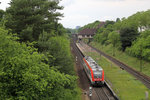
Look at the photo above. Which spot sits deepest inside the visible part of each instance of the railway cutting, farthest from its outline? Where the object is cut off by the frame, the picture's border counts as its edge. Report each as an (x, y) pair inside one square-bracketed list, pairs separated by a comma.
[(98, 92)]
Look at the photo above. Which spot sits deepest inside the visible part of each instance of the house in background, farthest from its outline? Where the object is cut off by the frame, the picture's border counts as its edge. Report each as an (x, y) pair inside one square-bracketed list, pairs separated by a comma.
[(89, 32), (143, 28), (86, 33)]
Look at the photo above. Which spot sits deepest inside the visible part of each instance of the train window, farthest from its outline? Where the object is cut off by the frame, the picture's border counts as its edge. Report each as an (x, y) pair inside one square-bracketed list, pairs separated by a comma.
[(98, 74)]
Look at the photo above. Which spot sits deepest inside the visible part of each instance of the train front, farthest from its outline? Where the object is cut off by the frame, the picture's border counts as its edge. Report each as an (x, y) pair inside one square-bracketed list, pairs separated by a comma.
[(98, 77)]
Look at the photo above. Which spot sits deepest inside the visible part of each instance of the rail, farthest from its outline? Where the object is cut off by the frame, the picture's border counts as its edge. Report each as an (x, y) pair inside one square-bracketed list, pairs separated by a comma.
[(100, 91), (143, 78)]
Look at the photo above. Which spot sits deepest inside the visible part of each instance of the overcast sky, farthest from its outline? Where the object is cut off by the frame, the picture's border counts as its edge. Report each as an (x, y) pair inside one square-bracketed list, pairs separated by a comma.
[(81, 12), (4, 4)]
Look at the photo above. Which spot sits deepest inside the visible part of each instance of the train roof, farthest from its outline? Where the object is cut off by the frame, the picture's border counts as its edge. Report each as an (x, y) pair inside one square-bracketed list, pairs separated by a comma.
[(92, 63)]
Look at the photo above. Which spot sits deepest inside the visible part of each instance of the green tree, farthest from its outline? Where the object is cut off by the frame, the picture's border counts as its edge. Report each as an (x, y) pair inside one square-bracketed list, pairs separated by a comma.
[(43, 43), (59, 48), (2, 12), (108, 22), (102, 34), (100, 30), (61, 31), (23, 75), (141, 47), (127, 36), (118, 19), (93, 25), (114, 39), (29, 18), (144, 19), (2, 18)]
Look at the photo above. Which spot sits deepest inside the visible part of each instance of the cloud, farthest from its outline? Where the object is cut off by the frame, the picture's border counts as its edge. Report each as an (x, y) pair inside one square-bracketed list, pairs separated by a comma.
[(74, 20), (66, 2), (4, 4), (81, 12), (109, 0)]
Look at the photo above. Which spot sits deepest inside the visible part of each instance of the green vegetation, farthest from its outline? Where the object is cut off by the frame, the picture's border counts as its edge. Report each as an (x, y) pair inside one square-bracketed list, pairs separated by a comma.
[(122, 56), (72, 31), (124, 85), (114, 38), (129, 37), (1, 14), (141, 47), (29, 18), (129, 29), (24, 75), (91, 25), (127, 40), (59, 48), (35, 58)]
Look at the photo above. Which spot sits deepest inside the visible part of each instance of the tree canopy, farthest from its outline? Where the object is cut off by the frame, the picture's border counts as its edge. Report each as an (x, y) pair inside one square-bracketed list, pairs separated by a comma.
[(29, 18), (1, 14), (35, 58), (141, 46), (127, 36), (24, 75)]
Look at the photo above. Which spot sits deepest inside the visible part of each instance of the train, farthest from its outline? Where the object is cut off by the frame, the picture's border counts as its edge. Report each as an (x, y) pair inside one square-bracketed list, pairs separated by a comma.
[(94, 72)]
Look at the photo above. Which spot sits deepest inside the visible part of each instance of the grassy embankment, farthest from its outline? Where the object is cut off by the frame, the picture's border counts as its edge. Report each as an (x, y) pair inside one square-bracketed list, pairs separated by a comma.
[(125, 58), (124, 85)]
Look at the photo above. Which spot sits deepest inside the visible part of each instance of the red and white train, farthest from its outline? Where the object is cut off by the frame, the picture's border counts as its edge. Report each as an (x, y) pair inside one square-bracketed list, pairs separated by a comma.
[(94, 72)]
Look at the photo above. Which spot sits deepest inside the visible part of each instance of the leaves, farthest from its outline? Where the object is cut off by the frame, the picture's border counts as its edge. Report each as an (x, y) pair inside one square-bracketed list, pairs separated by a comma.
[(29, 18), (23, 75), (127, 36), (114, 38), (60, 49), (141, 47)]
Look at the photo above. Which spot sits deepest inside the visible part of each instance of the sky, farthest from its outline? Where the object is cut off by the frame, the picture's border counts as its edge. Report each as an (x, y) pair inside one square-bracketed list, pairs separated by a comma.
[(82, 12), (4, 4)]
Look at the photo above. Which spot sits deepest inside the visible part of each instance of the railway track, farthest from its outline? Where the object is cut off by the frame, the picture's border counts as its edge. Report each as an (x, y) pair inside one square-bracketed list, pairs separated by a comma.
[(101, 93), (143, 78)]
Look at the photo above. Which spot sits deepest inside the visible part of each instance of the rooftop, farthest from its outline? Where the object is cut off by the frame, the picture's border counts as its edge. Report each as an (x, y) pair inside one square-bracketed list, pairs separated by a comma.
[(92, 63)]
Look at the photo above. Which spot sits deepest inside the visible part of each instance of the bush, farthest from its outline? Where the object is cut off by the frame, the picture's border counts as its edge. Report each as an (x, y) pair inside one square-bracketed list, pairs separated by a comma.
[(59, 47), (23, 75), (141, 47)]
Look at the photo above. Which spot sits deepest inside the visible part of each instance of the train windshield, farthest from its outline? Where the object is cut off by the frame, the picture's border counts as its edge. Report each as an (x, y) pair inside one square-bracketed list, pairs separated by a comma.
[(98, 74)]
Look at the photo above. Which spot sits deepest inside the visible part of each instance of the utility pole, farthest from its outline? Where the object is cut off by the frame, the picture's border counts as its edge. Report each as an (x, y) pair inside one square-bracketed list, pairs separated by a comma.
[(141, 58)]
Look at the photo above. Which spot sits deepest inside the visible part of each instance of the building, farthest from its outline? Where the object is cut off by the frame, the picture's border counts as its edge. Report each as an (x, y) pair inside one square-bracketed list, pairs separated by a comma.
[(89, 32), (86, 33)]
